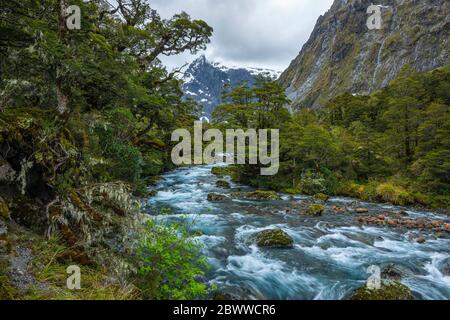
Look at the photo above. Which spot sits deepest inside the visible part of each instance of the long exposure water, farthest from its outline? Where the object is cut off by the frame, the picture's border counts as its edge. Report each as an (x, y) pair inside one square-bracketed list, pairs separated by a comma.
[(331, 253)]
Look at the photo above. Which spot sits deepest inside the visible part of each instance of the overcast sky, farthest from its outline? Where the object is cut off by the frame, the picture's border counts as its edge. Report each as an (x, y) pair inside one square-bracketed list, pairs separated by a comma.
[(254, 33)]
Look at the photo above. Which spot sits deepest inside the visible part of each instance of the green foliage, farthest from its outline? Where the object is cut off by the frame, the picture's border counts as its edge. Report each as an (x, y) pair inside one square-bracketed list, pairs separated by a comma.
[(171, 264), (393, 144), (86, 115), (312, 183)]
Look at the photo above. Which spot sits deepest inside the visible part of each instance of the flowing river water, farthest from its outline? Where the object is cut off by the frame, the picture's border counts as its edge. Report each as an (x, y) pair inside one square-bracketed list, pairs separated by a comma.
[(331, 253)]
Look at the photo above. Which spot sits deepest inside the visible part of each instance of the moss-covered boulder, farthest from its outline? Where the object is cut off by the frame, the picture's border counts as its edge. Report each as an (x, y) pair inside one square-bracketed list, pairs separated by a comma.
[(321, 197), (256, 195), (315, 209), (215, 197), (4, 209), (274, 238), (223, 184), (222, 171), (390, 290)]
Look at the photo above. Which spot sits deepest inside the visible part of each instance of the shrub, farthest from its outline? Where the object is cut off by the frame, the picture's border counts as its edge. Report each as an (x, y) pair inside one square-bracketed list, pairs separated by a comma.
[(395, 194), (171, 264), (312, 183), (127, 162)]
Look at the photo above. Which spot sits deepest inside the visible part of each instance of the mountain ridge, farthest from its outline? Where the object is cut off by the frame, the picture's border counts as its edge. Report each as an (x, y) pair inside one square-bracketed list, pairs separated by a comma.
[(204, 81), (343, 55)]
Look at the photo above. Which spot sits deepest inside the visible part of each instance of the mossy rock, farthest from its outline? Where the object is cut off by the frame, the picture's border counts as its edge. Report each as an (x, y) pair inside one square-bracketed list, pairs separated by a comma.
[(4, 209), (321, 197), (390, 290), (256, 195), (291, 191), (274, 238), (222, 171), (215, 197), (223, 184), (315, 209)]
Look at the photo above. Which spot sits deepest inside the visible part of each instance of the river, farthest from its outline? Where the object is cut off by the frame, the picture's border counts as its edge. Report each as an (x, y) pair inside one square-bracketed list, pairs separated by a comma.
[(331, 253)]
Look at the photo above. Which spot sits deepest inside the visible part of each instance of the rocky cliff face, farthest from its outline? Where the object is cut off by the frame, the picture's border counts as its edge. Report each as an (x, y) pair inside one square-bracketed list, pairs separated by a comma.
[(204, 81), (343, 55)]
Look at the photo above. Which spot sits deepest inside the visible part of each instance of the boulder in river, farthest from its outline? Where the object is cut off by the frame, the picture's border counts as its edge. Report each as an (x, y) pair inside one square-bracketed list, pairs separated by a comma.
[(223, 171), (215, 197), (390, 290), (223, 184), (256, 195), (445, 268), (392, 272), (321, 197), (421, 239), (315, 209), (274, 238), (362, 210)]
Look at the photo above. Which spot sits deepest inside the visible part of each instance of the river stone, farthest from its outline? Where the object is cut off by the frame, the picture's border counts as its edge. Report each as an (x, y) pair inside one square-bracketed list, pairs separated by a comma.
[(390, 290), (222, 171), (215, 197), (223, 184), (392, 272), (321, 197), (315, 209), (274, 238), (256, 195), (445, 269)]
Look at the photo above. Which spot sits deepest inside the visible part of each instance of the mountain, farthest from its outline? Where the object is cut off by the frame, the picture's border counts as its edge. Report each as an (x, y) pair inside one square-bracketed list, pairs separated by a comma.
[(343, 55), (204, 81)]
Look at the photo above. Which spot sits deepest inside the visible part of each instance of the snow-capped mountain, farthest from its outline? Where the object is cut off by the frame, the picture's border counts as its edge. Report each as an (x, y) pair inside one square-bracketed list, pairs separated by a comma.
[(204, 81)]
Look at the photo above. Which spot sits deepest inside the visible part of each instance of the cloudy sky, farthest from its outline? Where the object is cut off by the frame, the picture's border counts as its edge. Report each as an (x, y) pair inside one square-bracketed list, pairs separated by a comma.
[(254, 33)]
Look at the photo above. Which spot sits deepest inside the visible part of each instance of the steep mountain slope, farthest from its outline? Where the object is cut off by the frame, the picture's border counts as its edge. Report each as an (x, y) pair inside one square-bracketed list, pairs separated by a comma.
[(343, 55), (204, 81)]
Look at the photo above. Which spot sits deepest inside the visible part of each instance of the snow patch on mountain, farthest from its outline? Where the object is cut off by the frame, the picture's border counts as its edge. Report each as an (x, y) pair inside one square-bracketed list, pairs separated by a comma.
[(204, 81)]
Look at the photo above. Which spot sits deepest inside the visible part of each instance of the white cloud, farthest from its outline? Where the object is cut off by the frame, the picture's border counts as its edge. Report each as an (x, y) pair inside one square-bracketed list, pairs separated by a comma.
[(260, 33)]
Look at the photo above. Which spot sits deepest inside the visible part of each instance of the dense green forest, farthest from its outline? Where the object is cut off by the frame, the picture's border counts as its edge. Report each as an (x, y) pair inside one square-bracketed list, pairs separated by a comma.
[(85, 117), (390, 146)]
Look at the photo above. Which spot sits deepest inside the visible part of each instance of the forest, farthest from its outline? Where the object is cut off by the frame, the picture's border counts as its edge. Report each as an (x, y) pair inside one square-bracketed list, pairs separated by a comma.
[(389, 146), (86, 118), (85, 123)]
